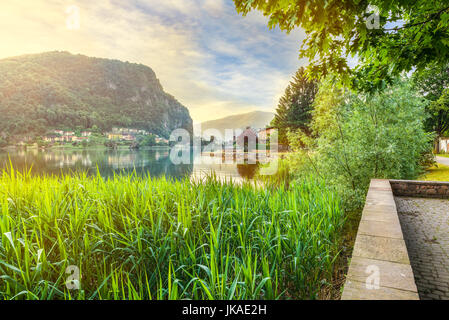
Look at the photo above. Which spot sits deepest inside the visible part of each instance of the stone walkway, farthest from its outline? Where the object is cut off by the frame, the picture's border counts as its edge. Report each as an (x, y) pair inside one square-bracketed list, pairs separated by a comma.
[(425, 225)]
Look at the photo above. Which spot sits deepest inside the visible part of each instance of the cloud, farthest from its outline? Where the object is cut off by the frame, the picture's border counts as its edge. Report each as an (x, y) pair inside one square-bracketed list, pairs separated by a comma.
[(211, 59)]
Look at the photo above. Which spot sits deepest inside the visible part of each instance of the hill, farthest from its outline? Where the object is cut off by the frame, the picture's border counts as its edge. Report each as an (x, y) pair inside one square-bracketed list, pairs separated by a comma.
[(255, 119), (57, 90)]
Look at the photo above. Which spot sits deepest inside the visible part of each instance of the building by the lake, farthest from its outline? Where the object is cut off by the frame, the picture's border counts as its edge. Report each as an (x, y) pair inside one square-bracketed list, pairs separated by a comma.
[(66, 136)]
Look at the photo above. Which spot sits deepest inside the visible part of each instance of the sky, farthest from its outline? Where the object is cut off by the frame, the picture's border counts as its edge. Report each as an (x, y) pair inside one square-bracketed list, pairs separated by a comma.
[(213, 60)]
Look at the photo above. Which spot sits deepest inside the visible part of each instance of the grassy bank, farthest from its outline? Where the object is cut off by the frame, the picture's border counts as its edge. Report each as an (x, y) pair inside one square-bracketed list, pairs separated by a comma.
[(140, 238), (439, 172), (288, 172)]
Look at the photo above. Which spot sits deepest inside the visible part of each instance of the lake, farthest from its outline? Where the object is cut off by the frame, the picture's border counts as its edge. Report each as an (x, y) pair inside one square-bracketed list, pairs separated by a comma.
[(156, 163)]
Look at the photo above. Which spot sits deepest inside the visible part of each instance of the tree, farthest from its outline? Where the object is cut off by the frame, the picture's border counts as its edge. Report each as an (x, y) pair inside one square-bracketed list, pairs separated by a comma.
[(439, 111), (408, 34), (433, 83), (295, 106), (146, 141), (364, 136)]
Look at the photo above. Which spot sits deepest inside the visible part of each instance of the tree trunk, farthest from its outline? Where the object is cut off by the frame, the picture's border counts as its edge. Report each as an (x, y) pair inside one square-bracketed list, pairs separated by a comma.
[(437, 145)]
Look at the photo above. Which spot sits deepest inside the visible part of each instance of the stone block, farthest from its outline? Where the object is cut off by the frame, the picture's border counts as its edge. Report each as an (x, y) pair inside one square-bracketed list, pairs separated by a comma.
[(381, 248), (391, 275), (355, 290)]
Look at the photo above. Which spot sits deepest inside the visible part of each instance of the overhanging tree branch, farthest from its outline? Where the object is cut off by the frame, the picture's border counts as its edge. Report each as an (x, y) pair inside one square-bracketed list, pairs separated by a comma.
[(432, 17)]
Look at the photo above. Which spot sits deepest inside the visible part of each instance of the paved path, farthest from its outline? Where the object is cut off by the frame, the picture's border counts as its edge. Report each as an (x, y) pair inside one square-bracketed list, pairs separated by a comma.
[(442, 160), (425, 224)]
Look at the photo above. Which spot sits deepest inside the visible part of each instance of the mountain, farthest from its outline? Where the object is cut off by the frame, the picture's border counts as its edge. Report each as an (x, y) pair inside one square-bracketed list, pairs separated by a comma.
[(255, 119), (52, 90)]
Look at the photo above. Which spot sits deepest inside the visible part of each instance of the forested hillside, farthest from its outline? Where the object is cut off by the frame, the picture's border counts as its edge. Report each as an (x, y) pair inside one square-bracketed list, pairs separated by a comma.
[(52, 90)]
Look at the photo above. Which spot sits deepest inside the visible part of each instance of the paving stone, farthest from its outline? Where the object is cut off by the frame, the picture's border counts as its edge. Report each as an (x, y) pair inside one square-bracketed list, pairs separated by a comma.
[(391, 275), (425, 226), (380, 229), (355, 290), (381, 248), (380, 253)]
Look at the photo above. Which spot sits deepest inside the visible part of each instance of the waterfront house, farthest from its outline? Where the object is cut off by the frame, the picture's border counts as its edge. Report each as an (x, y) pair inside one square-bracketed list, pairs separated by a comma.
[(128, 137), (248, 139), (158, 139), (114, 136), (264, 134), (444, 144)]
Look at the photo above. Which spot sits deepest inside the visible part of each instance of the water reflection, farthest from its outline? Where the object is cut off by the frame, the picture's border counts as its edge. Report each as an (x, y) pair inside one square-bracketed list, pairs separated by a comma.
[(156, 163), (247, 170)]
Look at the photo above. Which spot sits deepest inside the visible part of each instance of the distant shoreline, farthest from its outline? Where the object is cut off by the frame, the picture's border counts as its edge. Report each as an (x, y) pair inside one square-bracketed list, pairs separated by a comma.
[(79, 148)]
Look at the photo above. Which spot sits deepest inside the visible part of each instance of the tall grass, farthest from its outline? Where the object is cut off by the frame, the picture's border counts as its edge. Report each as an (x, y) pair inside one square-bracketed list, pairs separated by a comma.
[(143, 238), (283, 176)]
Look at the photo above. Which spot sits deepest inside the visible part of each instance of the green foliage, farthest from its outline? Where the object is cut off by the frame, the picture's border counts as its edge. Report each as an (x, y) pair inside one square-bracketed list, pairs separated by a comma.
[(146, 141), (439, 110), (41, 143), (295, 106), (142, 238), (96, 139), (283, 176), (438, 172), (60, 90), (411, 34), (367, 136), (433, 83)]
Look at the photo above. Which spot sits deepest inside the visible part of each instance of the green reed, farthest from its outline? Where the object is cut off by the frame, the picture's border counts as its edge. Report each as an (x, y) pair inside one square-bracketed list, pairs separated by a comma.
[(141, 238)]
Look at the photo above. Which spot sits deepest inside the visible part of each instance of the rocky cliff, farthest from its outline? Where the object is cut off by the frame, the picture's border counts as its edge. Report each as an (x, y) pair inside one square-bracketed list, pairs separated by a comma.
[(61, 90)]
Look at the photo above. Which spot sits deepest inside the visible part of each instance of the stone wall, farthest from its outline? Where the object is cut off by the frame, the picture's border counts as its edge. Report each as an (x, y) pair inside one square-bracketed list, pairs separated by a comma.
[(423, 189), (380, 267)]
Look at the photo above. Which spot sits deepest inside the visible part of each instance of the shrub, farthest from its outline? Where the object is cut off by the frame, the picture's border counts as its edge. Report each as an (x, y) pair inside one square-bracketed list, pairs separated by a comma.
[(360, 137)]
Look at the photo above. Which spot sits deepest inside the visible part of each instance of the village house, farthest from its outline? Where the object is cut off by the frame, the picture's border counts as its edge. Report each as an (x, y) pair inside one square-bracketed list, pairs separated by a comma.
[(81, 139), (125, 134), (128, 137), (121, 136), (60, 132), (66, 136), (114, 136), (248, 139), (264, 134), (444, 144), (161, 140)]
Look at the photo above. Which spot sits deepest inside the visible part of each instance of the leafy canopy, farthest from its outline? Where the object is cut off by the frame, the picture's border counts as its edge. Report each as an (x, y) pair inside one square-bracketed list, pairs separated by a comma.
[(433, 83), (409, 34), (360, 137)]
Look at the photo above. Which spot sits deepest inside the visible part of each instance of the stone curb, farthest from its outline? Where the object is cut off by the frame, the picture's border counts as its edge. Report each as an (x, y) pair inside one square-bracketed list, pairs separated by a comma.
[(425, 189), (380, 267)]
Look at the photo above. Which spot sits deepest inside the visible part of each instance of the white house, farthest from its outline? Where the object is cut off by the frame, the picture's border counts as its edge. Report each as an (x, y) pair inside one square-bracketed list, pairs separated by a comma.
[(444, 145)]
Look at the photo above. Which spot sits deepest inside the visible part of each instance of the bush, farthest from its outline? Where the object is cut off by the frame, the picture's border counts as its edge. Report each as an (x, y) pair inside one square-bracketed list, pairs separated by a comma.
[(361, 137)]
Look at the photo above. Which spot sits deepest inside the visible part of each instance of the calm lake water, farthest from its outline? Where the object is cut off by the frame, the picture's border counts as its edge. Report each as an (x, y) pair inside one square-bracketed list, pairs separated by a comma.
[(156, 163)]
